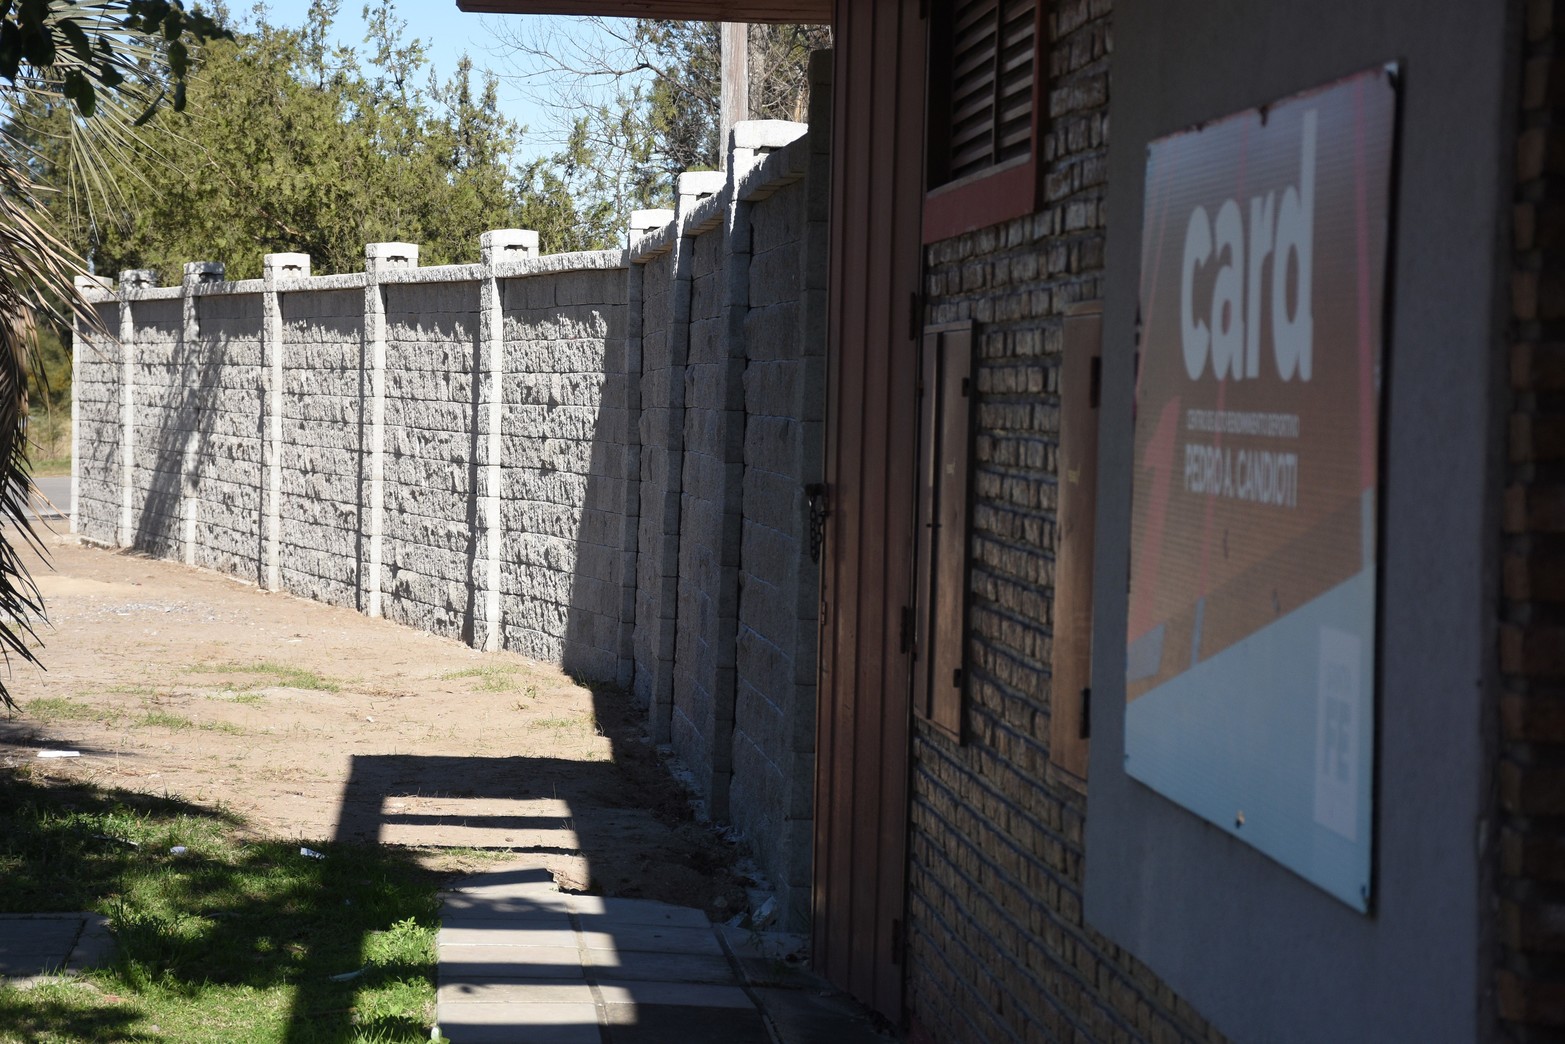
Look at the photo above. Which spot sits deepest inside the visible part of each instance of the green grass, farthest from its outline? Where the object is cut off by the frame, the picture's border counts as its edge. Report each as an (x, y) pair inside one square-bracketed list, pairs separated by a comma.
[(279, 674), (234, 941), (491, 677), (585, 723), (60, 708), (164, 720)]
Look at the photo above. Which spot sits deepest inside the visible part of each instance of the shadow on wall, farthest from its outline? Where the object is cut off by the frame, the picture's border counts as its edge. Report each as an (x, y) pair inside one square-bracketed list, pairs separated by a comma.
[(204, 434)]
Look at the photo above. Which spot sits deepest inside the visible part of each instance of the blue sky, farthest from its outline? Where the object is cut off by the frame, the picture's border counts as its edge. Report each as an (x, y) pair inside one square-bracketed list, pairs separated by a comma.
[(446, 34)]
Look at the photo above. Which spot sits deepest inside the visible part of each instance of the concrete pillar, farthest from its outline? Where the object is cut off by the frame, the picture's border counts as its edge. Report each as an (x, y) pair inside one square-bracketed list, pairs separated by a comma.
[(132, 281), (274, 269), (503, 244), (379, 259), (82, 332)]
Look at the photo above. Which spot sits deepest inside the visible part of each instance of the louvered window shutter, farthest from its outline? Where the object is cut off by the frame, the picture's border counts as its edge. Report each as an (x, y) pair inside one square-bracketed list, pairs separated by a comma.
[(981, 86)]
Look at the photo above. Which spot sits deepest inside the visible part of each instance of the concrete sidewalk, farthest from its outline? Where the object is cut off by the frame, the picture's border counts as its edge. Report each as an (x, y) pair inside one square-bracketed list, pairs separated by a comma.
[(37, 947), (522, 962)]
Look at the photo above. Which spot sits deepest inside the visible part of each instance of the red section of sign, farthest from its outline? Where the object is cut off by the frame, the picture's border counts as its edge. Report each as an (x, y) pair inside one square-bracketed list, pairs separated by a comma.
[(1257, 392)]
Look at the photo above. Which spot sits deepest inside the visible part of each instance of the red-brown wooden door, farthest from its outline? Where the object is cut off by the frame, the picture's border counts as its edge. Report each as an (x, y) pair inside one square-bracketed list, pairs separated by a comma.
[(861, 807)]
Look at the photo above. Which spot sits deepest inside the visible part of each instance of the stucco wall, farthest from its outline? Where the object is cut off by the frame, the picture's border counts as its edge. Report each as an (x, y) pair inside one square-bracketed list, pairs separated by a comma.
[(1208, 914)]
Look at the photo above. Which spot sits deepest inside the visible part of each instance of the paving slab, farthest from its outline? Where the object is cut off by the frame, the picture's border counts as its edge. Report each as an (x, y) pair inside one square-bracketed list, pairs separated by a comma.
[(688, 994), (662, 1024), (661, 967), (653, 939), (35, 947), (514, 990), (497, 932), (485, 1023), (521, 962), (510, 962)]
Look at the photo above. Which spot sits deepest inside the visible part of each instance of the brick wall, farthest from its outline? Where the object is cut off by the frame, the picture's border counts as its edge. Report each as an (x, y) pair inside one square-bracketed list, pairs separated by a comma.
[(997, 946), (1531, 871)]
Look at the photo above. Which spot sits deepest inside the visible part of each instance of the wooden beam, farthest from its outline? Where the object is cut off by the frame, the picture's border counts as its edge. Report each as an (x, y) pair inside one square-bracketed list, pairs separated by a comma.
[(809, 12), (735, 106)]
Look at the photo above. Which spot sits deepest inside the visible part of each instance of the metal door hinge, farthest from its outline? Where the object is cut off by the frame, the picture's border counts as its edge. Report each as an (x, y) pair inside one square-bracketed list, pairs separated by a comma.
[(819, 501), (1086, 713)]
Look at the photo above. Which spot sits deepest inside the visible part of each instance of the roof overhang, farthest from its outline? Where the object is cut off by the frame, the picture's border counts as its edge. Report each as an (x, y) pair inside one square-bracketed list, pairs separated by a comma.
[(807, 11)]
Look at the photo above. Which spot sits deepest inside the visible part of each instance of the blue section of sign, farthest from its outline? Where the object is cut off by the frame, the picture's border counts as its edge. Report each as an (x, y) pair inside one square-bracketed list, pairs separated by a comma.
[(1272, 739)]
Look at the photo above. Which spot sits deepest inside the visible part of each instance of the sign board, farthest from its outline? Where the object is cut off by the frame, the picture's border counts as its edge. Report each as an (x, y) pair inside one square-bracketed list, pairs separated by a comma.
[(1250, 673)]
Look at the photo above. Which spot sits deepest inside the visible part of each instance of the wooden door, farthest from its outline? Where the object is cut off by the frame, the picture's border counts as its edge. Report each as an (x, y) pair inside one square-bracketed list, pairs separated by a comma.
[(863, 724)]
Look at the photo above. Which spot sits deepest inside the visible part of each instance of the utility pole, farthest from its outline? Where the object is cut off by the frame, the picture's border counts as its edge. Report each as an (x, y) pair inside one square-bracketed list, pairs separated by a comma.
[(736, 83)]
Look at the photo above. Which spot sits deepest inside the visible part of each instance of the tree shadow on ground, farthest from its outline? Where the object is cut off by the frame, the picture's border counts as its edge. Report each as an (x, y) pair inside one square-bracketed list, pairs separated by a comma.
[(211, 928)]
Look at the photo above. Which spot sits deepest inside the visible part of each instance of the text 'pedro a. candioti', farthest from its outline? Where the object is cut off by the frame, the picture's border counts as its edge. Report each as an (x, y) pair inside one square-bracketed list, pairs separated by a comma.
[(1250, 660)]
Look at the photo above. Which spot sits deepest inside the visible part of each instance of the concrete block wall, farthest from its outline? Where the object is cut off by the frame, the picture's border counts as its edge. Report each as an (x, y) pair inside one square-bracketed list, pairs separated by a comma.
[(998, 948), (430, 457), (701, 723), (168, 394), (664, 304), (223, 465), (321, 451), (95, 426), (595, 459), (564, 494), (784, 402)]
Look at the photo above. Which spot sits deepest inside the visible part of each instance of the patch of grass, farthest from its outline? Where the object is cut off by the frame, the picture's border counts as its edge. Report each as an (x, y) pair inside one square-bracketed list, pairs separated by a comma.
[(164, 720), (281, 674), (491, 677), (61, 708), (235, 941), (584, 723)]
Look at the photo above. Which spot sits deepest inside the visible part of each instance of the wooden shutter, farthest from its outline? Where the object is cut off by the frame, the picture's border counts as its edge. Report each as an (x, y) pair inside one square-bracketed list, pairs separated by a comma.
[(938, 632), (981, 94), (1077, 516)]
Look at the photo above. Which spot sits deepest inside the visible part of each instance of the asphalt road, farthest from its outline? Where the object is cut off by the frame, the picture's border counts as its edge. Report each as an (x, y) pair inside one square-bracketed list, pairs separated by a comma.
[(52, 497)]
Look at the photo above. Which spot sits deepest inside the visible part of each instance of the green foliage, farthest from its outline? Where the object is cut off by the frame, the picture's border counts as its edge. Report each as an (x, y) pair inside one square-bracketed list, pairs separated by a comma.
[(94, 63), (662, 116), (290, 144)]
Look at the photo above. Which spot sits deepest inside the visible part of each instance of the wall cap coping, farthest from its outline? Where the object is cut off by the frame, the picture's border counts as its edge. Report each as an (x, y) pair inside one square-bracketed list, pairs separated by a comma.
[(706, 214), (286, 266), (652, 243), (500, 240), (766, 134), (782, 167), (575, 261)]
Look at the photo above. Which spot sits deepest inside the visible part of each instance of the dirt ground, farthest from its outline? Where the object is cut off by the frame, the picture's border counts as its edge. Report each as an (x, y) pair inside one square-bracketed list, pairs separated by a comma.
[(317, 723)]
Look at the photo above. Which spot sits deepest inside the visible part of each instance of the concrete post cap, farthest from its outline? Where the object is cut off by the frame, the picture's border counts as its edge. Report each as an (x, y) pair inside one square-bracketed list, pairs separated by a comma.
[(501, 241), (391, 255), (642, 221), (766, 134), (286, 264), (93, 282), (702, 182), (204, 271), (142, 278)]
